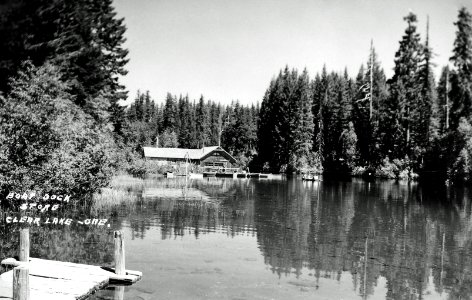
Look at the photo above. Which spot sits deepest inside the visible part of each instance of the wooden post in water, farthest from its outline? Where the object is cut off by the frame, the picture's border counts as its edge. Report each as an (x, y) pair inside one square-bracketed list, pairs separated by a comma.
[(119, 293), (21, 289), (24, 244), (365, 268), (442, 260), (119, 253)]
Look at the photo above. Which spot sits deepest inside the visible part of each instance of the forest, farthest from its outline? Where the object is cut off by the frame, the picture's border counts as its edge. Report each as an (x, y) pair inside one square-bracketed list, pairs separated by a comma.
[(63, 126), (185, 123), (400, 127)]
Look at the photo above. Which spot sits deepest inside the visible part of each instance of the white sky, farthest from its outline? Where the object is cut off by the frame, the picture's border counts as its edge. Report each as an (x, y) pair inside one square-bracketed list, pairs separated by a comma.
[(230, 49)]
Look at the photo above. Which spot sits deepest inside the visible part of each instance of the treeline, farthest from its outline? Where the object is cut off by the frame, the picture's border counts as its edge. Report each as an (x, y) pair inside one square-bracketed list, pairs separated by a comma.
[(60, 118), (62, 127), (396, 127), (181, 122)]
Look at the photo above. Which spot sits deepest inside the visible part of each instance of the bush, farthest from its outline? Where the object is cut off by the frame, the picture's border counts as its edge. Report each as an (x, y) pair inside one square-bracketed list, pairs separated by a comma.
[(134, 164), (461, 168), (155, 168), (139, 167), (396, 169), (359, 171), (48, 143)]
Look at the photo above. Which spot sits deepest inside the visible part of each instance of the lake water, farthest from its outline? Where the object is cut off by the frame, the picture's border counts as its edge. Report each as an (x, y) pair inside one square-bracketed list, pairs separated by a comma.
[(279, 239)]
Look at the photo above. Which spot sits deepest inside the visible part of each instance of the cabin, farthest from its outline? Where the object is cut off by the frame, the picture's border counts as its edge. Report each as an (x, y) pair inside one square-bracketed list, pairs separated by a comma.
[(215, 156)]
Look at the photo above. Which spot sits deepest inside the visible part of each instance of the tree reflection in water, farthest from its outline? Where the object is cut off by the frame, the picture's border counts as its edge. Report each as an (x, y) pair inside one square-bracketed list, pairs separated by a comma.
[(416, 239), (403, 223)]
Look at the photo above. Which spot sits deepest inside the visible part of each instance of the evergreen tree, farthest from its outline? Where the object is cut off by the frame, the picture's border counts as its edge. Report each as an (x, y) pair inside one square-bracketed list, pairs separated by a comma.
[(178, 116), (371, 116), (83, 38), (405, 88), (426, 98), (319, 154), (264, 128), (283, 95), (147, 108), (139, 106), (461, 77), (349, 146), (215, 115), (160, 117), (168, 139), (442, 103), (203, 123), (184, 138), (169, 114), (332, 122), (301, 124), (194, 142), (131, 113), (457, 145), (253, 120)]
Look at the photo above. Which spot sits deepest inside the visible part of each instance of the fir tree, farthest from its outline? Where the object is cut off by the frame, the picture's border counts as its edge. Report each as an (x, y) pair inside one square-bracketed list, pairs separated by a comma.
[(264, 127), (442, 103), (301, 124), (426, 98), (83, 38), (405, 88), (203, 123), (139, 106), (169, 114), (461, 77)]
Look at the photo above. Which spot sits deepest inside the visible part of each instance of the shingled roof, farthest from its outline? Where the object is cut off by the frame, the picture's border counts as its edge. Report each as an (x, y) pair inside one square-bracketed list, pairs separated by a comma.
[(177, 153)]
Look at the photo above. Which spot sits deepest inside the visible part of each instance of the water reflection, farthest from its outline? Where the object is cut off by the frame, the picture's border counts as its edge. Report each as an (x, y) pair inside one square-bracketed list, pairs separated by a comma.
[(377, 239), (415, 238), (199, 207)]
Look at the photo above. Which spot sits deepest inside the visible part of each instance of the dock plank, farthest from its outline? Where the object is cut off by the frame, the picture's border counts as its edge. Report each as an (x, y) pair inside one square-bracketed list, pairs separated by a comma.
[(62, 280)]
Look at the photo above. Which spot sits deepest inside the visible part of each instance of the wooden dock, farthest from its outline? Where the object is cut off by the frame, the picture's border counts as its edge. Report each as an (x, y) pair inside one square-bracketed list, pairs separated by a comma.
[(41, 279), (59, 280), (243, 175)]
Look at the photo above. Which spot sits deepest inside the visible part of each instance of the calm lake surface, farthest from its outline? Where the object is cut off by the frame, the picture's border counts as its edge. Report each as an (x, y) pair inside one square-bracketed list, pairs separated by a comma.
[(279, 239)]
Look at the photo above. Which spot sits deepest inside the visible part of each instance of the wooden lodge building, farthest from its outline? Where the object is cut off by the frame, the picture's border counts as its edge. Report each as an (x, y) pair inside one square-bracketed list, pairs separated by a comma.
[(214, 156)]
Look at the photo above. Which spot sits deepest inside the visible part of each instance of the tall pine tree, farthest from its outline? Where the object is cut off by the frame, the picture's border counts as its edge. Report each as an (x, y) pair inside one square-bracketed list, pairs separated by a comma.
[(405, 88), (461, 77)]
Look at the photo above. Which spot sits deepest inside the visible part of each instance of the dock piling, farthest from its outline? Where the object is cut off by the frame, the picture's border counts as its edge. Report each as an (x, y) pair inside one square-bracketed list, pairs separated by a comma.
[(119, 253), (24, 244), (119, 293), (21, 289)]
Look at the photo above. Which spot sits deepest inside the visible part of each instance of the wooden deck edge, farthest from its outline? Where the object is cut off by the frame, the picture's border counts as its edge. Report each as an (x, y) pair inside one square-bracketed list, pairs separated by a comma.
[(94, 290), (131, 276), (128, 272), (12, 262)]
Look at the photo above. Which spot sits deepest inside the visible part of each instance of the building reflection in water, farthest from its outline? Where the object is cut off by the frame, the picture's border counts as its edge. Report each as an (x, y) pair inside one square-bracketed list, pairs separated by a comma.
[(413, 239)]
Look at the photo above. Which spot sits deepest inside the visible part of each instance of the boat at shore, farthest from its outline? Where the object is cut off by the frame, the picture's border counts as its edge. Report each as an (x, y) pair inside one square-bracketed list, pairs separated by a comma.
[(311, 177)]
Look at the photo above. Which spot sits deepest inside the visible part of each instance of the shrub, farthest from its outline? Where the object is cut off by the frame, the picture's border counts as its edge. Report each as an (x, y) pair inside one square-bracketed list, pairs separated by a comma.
[(137, 168), (359, 171), (396, 169), (461, 167), (48, 143)]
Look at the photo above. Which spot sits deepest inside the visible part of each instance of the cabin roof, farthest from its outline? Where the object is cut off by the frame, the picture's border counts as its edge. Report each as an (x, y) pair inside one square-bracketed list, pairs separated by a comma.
[(180, 153)]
